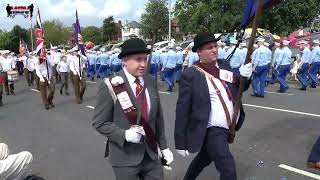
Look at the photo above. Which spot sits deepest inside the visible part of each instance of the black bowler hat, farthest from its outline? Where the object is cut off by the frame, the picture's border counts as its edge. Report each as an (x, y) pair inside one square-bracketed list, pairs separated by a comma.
[(202, 39), (133, 46)]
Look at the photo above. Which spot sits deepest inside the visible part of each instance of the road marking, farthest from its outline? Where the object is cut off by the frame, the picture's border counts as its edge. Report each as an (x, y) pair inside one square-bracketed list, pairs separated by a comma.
[(91, 107), (283, 110), (91, 82), (269, 92), (305, 173), (35, 90), (162, 92)]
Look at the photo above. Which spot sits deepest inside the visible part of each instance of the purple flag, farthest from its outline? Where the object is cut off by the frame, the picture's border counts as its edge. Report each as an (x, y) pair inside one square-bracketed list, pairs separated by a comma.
[(77, 38)]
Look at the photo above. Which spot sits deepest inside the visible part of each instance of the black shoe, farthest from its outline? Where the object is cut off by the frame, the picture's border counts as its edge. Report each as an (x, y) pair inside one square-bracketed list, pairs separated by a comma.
[(303, 89), (8, 93), (1, 103), (260, 96), (280, 91), (52, 105), (81, 98), (66, 93), (61, 91), (313, 86), (47, 106), (253, 95), (29, 84), (12, 92)]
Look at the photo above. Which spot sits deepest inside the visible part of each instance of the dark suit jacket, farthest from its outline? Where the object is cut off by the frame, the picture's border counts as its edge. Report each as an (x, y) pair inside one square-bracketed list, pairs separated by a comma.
[(110, 121), (194, 107)]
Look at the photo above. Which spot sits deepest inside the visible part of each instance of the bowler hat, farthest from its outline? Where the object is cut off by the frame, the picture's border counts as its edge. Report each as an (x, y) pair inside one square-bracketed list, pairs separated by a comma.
[(133, 46), (202, 39)]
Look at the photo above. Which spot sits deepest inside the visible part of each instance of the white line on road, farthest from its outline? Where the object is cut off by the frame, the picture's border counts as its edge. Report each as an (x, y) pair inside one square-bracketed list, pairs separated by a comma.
[(305, 173), (162, 92), (91, 107), (91, 82), (283, 110), (269, 92), (35, 90)]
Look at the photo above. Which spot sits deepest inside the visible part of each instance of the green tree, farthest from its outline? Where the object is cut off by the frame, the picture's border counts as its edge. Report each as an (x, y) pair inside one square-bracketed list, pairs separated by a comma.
[(289, 15), (11, 40), (204, 15), (93, 34), (155, 20), (109, 28), (56, 33)]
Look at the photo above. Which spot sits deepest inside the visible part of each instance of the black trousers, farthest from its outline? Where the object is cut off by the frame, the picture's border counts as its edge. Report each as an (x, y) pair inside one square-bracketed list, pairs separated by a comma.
[(315, 153), (215, 148)]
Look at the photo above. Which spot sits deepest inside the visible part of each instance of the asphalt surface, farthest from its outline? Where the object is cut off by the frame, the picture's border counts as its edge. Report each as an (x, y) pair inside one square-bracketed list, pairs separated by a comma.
[(66, 147)]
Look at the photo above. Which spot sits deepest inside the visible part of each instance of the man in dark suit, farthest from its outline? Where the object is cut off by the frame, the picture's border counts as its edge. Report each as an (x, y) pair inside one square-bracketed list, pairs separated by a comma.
[(314, 157), (135, 144), (205, 108)]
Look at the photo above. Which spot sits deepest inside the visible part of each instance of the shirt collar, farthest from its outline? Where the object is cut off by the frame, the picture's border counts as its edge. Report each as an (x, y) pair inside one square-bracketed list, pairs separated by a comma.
[(131, 78)]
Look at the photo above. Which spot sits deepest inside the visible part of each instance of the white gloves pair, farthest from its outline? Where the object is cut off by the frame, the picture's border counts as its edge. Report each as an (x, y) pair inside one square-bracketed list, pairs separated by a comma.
[(246, 70), (134, 134), (167, 155)]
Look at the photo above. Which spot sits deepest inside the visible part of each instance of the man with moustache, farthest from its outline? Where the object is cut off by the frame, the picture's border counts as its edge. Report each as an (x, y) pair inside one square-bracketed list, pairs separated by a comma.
[(128, 112), (205, 108)]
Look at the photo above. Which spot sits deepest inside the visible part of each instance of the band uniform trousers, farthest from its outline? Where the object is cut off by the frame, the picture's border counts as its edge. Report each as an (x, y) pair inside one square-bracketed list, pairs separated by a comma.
[(215, 148), (56, 74), (44, 87), (148, 169), (9, 87), (283, 71), (65, 77), (302, 74), (79, 86), (29, 75), (313, 71), (13, 166), (314, 156), (20, 67)]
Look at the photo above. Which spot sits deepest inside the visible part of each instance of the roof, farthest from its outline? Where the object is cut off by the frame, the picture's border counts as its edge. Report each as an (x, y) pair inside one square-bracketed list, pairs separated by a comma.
[(133, 24)]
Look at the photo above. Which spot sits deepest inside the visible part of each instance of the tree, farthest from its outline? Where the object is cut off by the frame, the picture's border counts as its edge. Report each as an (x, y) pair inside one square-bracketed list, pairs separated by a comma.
[(56, 33), (204, 15), (155, 20), (109, 28), (93, 34), (290, 15), (11, 40)]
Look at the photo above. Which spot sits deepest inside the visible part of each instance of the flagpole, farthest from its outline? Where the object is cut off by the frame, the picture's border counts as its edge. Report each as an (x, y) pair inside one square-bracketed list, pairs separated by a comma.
[(31, 30), (243, 80)]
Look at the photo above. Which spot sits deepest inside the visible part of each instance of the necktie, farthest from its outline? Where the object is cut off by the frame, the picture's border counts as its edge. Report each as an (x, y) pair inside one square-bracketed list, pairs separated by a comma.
[(142, 99)]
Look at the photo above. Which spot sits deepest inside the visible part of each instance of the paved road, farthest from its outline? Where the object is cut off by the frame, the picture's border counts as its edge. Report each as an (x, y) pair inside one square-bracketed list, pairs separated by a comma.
[(279, 129)]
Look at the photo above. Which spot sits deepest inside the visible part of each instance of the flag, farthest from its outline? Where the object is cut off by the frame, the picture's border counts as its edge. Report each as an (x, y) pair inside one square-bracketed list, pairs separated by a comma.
[(40, 43), (23, 48), (250, 10), (77, 38)]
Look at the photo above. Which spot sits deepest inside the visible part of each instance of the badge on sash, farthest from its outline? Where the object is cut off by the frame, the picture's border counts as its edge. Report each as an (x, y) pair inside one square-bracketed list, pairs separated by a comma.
[(124, 100), (226, 75)]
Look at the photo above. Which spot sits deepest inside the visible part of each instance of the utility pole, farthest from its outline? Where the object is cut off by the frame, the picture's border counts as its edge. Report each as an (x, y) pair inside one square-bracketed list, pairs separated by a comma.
[(169, 20)]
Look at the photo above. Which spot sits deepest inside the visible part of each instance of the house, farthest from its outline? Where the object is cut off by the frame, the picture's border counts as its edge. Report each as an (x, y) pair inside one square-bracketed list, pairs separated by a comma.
[(130, 30)]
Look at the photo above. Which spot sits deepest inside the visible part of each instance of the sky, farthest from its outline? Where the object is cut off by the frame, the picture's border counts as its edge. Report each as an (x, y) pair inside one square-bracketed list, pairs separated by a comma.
[(90, 12)]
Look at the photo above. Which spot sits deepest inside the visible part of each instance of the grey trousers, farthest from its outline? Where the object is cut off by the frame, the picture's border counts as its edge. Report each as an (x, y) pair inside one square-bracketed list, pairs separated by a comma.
[(148, 169)]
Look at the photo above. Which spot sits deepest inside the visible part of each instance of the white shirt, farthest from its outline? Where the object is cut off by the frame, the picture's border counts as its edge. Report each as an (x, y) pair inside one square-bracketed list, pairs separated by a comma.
[(133, 86), (32, 62), (23, 59), (217, 116), (42, 70), (63, 66), (7, 64), (74, 64), (55, 57)]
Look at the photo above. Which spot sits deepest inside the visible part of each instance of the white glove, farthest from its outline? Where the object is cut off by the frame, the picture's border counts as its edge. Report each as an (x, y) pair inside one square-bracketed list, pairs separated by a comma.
[(132, 135), (183, 153), (167, 155), (246, 70), (42, 80)]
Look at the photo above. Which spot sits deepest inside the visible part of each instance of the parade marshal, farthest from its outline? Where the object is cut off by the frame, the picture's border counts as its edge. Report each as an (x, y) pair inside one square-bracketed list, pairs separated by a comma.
[(135, 145), (205, 106)]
